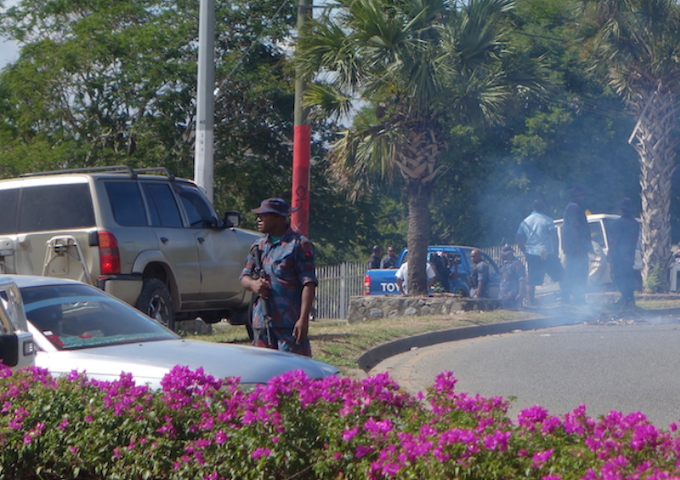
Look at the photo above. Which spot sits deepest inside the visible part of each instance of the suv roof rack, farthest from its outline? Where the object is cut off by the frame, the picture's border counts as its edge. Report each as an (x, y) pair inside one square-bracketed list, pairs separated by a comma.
[(113, 169)]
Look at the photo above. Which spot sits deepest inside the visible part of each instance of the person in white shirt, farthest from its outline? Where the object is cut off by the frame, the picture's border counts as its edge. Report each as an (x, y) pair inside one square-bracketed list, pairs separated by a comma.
[(402, 276), (537, 239)]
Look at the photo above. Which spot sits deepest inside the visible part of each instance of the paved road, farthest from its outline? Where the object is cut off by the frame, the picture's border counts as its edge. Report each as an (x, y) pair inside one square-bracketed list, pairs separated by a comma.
[(624, 367)]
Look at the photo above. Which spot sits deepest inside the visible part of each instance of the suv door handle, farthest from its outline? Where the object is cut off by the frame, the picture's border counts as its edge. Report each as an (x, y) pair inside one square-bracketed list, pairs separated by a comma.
[(164, 239), (200, 239)]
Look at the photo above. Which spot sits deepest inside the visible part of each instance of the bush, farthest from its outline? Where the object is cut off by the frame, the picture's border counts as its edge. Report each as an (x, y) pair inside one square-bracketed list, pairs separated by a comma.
[(294, 427), (656, 280)]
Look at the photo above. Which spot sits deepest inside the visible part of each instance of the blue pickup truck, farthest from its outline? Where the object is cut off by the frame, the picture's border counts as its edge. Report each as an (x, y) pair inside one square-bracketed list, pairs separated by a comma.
[(384, 282)]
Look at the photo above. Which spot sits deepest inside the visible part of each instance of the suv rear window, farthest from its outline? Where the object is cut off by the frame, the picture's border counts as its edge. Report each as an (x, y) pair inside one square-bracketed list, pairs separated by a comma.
[(55, 207), (126, 203), (9, 199)]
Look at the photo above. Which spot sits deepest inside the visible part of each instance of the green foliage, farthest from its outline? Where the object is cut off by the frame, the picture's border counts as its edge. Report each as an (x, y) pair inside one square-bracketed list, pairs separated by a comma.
[(577, 133), (293, 427), (113, 81), (655, 281)]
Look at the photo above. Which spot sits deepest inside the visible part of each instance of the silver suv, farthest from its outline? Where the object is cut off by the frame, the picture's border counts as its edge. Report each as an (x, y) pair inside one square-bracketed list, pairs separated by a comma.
[(144, 236)]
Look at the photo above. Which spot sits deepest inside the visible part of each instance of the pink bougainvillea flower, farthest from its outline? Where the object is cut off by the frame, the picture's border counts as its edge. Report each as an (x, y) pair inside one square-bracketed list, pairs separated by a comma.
[(63, 424), (221, 437), (349, 433), (362, 451), (540, 458), (261, 452), (379, 427)]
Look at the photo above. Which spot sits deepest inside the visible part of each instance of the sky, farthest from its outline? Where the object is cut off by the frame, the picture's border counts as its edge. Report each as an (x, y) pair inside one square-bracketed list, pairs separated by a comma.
[(9, 51)]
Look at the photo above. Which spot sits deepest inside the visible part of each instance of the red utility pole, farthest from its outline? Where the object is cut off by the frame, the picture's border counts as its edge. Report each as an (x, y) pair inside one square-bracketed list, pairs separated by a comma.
[(301, 141)]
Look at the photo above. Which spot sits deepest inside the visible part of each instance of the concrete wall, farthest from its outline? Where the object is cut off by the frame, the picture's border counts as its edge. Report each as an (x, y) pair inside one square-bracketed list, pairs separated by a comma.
[(374, 307)]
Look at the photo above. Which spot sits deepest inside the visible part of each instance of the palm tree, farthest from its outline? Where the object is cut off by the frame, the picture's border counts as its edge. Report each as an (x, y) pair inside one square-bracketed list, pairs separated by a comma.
[(638, 41), (416, 64)]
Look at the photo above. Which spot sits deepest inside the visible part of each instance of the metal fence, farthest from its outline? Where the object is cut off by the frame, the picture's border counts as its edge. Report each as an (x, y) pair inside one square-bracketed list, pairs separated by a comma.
[(495, 252), (336, 284)]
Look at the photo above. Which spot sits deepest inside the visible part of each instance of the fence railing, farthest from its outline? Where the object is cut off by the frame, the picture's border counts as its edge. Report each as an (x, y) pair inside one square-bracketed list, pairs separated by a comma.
[(339, 282), (336, 284)]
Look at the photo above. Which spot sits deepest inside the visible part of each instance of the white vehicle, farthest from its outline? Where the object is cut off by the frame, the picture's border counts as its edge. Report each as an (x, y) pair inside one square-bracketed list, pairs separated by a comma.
[(78, 327), (599, 276), (16, 342)]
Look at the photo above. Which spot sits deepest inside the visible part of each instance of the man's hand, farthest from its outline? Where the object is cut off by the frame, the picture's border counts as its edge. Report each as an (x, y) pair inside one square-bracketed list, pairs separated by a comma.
[(400, 286), (480, 287), (301, 329), (260, 287)]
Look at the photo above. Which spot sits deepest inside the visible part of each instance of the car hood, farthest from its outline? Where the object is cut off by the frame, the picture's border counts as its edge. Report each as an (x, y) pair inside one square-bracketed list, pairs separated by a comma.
[(148, 362)]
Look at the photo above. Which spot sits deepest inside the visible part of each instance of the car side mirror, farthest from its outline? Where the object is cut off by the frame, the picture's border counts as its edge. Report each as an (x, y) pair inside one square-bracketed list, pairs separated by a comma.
[(17, 349), (232, 219), (9, 349)]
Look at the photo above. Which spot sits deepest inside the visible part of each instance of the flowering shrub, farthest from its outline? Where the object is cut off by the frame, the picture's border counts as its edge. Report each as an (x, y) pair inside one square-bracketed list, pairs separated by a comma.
[(199, 427)]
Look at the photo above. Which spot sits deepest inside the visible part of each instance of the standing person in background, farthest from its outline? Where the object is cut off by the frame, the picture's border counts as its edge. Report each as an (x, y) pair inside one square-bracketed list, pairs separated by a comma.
[(402, 277), (280, 270), (390, 261), (537, 239), (442, 268), (513, 279), (623, 238), (374, 259), (479, 277), (576, 245)]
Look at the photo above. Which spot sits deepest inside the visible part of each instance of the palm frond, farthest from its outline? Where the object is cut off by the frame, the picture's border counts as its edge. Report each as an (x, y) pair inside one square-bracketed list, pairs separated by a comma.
[(331, 102)]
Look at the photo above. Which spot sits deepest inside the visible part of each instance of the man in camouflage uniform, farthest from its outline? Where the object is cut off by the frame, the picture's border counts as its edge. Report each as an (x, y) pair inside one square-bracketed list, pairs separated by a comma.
[(285, 284)]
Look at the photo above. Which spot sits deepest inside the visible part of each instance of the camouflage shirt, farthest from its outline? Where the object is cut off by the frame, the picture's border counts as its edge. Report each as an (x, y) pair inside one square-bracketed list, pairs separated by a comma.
[(289, 265)]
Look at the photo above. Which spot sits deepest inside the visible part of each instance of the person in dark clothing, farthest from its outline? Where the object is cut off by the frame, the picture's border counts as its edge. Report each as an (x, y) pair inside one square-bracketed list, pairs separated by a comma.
[(442, 267), (576, 245), (281, 271), (623, 238), (513, 279), (479, 277), (374, 259), (390, 261)]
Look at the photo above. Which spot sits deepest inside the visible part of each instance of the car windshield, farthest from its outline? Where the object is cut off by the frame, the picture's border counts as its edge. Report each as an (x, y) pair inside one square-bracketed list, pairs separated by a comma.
[(79, 316)]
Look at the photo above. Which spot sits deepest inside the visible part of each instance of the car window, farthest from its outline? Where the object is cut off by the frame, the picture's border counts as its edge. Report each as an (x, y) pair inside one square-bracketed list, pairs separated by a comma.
[(162, 205), (55, 207), (79, 316), (127, 204), (596, 233), (199, 213), (9, 199)]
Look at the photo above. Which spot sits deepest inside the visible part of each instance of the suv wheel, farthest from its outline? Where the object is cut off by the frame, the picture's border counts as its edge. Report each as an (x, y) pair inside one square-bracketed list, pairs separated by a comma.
[(155, 301)]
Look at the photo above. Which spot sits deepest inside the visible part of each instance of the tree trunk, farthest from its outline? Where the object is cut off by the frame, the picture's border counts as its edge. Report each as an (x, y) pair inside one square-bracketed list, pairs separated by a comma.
[(418, 236), (417, 163), (655, 144)]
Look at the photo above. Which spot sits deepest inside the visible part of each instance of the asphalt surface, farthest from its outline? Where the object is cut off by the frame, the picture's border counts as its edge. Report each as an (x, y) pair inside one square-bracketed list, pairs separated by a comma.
[(606, 359)]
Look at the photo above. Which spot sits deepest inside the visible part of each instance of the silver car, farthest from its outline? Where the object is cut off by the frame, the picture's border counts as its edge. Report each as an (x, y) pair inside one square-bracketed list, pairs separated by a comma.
[(77, 327)]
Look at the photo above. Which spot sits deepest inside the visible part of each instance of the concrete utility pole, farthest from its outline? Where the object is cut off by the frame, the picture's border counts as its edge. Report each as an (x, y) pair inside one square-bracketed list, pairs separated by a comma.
[(301, 140), (205, 101)]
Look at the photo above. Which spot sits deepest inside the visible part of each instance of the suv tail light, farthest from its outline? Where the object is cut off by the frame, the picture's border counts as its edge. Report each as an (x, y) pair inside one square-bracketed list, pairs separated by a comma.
[(367, 285), (109, 257)]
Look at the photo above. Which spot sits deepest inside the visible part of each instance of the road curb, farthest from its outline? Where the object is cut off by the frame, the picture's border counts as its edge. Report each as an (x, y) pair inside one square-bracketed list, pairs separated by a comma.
[(374, 356)]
